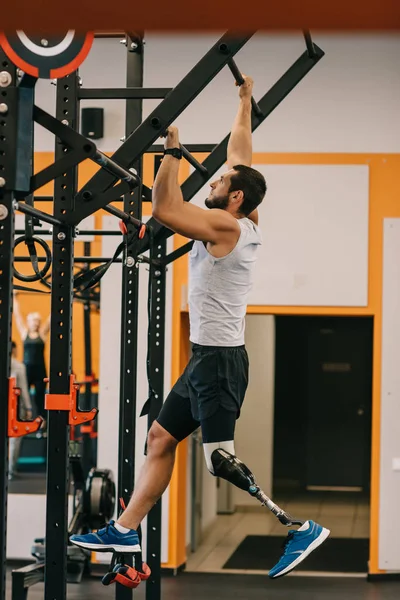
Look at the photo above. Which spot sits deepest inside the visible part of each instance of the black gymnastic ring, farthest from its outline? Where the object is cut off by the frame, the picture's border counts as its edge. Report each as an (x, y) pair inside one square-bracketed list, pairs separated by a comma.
[(43, 272)]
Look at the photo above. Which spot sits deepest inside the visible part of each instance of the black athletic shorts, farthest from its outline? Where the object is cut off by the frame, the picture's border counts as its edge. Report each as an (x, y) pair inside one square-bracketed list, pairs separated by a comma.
[(209, 393)]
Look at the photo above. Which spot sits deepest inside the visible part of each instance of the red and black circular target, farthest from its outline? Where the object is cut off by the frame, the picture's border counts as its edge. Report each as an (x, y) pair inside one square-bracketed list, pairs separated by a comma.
[(44, 56)]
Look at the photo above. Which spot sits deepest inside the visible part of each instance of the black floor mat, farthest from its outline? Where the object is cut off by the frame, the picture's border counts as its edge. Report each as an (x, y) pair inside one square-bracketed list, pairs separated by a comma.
[(335, 555)]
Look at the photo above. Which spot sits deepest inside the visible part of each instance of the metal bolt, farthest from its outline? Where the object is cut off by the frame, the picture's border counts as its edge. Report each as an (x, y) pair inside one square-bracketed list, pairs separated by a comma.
[(20, 73), (3, 109), (61, 236), (53, 82), (134, 46), (80, 81), (3, 212), (76, 231), (123, 41), (130, 261), (65, 122), (123, 138), (157, 273), (2, 182), (44, 42), (5, 79)]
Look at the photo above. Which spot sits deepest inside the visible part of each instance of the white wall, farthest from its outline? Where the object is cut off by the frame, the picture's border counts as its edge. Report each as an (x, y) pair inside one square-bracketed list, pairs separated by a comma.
[(347, 103), (26, 521), (389, 538), (104, 67)]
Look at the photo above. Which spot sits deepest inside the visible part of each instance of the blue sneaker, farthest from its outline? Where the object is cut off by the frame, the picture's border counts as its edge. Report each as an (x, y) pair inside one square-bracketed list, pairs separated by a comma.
[(299, 544), (109, 539)]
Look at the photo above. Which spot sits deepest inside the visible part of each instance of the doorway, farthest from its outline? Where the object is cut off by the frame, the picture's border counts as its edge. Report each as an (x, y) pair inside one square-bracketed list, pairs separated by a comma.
[(323, 401)]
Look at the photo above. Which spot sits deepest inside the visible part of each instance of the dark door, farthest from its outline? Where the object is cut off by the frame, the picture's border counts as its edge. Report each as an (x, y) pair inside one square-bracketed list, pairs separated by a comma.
[(339, 391)]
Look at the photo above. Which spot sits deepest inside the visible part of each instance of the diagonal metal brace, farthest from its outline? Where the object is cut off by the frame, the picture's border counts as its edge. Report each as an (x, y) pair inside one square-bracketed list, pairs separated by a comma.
[(158, 121), (218, 156)]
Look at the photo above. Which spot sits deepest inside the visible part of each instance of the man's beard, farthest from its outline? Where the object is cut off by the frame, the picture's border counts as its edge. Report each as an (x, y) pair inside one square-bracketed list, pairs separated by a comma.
[(221, 202)]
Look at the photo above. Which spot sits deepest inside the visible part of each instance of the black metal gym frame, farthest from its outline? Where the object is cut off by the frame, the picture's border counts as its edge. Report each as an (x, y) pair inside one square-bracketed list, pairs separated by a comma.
[(60, 363), (155, 375), (129, 302), (7, 173), (90, 198), (97, 196)]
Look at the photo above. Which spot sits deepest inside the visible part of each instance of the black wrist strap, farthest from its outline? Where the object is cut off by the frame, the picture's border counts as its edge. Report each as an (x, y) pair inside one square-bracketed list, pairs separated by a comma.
[(175, 152)]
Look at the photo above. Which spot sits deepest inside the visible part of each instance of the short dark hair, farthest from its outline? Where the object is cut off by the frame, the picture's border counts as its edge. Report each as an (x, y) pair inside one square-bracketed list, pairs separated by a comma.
[(253, 185)]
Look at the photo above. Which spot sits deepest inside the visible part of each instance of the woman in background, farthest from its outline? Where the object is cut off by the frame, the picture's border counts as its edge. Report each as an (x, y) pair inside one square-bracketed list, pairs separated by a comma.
[(34, 336)]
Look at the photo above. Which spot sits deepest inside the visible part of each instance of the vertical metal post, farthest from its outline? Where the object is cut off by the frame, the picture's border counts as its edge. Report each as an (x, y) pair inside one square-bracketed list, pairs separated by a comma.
[(129, 311), (60, 358), (156, 355), (8, 153)]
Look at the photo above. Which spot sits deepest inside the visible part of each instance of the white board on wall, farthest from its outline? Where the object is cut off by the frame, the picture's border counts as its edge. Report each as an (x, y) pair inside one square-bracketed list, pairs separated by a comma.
[(314, 221)]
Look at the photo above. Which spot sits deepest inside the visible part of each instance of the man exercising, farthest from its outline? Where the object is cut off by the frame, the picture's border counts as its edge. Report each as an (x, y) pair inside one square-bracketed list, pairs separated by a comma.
[(210, 392)]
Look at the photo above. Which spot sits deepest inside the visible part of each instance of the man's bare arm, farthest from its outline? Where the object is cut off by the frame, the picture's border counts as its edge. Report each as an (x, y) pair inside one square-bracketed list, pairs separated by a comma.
[(240, 147), (170, 209)]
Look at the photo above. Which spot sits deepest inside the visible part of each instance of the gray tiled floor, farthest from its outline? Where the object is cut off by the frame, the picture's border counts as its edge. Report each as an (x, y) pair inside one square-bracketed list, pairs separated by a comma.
[(197, 586), (347, 516)]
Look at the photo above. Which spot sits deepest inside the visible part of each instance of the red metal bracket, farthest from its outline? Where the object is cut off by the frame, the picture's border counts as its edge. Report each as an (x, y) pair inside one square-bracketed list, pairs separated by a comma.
[(69, 402), (17, 428)]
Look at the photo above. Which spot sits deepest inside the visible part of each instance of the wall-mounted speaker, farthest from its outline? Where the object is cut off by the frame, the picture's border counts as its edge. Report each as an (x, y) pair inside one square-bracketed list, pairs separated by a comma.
[(93, 123)]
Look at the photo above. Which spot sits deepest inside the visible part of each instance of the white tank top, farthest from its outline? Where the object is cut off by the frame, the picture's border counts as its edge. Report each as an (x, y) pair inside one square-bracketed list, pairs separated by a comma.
[(219, 287)]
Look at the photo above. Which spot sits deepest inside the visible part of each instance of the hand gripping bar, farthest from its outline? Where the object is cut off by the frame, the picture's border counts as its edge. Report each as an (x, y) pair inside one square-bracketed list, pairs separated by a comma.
[(239, 80)]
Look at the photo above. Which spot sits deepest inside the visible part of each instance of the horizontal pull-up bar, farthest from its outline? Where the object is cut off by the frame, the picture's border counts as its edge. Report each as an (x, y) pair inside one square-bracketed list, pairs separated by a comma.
[(112, 167), (125, 217), (191, 159), (239, 80), (130, 93), (34, 212)]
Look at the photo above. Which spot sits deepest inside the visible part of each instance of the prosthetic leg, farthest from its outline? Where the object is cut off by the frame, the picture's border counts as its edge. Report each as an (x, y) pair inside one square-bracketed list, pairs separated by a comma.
[(229, 467), (299, 543)]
